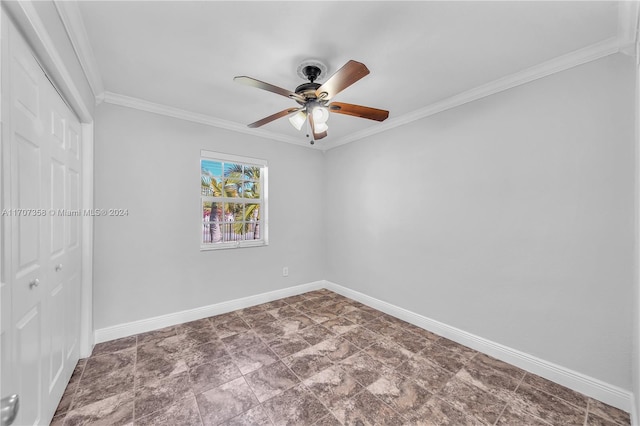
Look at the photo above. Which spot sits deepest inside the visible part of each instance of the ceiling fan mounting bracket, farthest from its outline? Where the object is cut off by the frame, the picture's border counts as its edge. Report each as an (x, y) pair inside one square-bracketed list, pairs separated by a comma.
[(312, 69)]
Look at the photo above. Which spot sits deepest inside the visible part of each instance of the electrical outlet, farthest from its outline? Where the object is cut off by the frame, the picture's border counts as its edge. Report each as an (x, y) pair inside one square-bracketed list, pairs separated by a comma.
[(285, 271)]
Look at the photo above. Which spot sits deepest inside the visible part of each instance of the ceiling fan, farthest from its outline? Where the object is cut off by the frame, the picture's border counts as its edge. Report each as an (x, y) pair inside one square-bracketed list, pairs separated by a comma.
[(314, 97)]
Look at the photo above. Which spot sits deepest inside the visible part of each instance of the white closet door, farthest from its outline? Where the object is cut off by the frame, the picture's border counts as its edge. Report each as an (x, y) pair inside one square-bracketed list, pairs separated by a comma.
[(44, 259)]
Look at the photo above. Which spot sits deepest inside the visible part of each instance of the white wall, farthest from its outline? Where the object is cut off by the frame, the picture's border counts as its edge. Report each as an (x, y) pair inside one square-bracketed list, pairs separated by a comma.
[(150, 263), (511, 218)]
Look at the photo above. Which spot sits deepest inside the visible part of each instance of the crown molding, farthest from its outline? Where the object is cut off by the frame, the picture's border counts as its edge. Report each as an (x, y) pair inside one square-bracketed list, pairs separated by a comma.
[(169, 111), (561, 63), (73, 23), (624, 42)]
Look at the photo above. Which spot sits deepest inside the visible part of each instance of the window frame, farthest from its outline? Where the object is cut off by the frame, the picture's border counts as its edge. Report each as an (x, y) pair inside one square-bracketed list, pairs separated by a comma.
[(263, 200)]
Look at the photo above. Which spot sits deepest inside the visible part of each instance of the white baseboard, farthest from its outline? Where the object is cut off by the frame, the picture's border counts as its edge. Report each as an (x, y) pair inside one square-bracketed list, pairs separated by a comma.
[(149, 324), (589, 386)]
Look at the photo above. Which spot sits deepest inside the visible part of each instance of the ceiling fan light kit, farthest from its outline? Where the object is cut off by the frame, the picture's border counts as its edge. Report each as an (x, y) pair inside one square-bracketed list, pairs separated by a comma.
[(314, 97)]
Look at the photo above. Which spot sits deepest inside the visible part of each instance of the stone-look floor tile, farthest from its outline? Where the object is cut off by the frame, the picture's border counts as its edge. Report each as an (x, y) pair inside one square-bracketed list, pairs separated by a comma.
[(252, 358), (361, 337), (409, 341), (288, 345), (307, 362), (203, 335), (161, 333), (271, 380), (316, 334), (315, 303), (270, 332), (182, 412), (339, 325), (207, 376), (339, 308), (114, 345), (566, 394), (472, 400), (382, 326), (66, 400), (105, 376), (230, 327), (363, 368), (292, 300), (285, 311), (464, 351), (332, 385), (366, 409), (154, 396), (608, 412), (402, 394), (485, 361), (365, 308), (359, 316), (168, 347), (226, 401), (362, 347), (437, 412), (258, 319), (251, 310), (58, 420), (490, 380), (428, 375), (593, 420), (545, 406), (320, 317), (197, 325), (336, 348), (153, 369), (328, 420), (204, 354), (70, 390), (101, 365), (257, 416), (241, 341), (274, 305), (388, 353), (295, 406), (223, 318), (112, 411), (444, 357), (320, 292), (422, 332), (295, 323), (516, 416)]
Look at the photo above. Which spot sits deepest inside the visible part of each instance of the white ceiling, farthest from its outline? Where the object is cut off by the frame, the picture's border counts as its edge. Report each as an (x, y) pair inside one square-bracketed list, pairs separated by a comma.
[(185, 54)]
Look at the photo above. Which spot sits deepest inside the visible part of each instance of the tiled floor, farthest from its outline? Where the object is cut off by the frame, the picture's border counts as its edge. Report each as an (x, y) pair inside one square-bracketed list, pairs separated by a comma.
[(317, 358)]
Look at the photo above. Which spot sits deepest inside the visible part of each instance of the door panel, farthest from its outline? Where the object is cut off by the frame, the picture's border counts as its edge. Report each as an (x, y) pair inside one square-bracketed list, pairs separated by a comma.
[(28, 331), (42, 262)]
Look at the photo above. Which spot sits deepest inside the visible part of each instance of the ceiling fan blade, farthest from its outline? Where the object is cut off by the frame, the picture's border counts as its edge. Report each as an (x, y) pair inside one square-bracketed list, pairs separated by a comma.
[(275, 116), (351, 72), (248, 81), (359, 111), (316, 136)]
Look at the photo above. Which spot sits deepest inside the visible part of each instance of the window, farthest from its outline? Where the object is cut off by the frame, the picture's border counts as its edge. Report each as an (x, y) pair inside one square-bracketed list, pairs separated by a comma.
[(233, 192)]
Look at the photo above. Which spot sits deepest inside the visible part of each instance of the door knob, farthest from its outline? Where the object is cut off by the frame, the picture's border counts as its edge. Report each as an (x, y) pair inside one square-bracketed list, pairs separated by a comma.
[(34, 283), (9, 409), (59, 267)]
